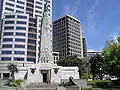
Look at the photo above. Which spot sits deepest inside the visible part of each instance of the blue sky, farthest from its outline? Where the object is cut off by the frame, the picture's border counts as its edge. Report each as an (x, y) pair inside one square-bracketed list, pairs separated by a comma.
[(100, 19)]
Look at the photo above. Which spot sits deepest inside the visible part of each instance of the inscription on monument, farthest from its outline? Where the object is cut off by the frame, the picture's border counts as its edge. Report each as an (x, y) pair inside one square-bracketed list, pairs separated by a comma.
[(66, 74)]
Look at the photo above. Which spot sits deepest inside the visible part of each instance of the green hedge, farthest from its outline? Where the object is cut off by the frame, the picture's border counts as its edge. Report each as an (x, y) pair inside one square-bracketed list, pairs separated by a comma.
[(100, 83), (85, 76)]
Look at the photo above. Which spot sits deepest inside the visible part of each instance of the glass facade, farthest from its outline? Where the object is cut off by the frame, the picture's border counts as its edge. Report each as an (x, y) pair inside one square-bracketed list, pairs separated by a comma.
[(19, 40), (5, 58), (19, 46), (20, 28), (19, 52), (21, 17), (20, 34)]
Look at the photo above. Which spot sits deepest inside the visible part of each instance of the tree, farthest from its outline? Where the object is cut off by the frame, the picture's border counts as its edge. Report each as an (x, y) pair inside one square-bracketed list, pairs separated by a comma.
[(111, 54), (72, 61), (12, 68), (96, 65)]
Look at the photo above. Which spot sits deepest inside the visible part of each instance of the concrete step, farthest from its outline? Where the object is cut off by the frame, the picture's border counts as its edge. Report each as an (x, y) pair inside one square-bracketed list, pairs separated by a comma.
[(41, 86)]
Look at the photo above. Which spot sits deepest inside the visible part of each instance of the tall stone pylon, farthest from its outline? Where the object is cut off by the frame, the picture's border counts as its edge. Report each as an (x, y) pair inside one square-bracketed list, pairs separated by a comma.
[(45, 37)]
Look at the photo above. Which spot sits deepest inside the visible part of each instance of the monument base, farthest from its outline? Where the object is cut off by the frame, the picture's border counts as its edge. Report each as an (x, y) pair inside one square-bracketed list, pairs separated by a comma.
[(48, 73)]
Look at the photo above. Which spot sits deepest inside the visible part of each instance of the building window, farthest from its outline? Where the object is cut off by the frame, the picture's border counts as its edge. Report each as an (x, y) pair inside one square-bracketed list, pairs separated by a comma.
[(9, 9), (20, 34), (10, 16), (6, 52), (9, 22), (38, 3), (31, 47), (21, 22), (32, 35), (20, 2), (32, 41), (18, 59), (8, 33), (22, 17), (12, 0), (7, 39), (49, 14), (56, 58), (31, 53), (40, 12), (20, 7), (19, 46), (31, 59), (20, 28), (9, 4), (38, 7), (6, 46), (5, 58), (48, 5), (19, 52), (8, 27), (29, 10), (18, 11), (19, 40)]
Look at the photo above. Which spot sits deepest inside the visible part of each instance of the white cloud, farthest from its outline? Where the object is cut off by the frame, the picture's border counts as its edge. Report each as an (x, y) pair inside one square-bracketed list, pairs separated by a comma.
[(75, 8), (71, 9), (66, 9), (92, 15)]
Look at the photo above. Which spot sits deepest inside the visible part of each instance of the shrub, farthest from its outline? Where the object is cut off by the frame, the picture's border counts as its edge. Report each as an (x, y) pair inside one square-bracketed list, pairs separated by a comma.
[(16, 82), (85, 76)]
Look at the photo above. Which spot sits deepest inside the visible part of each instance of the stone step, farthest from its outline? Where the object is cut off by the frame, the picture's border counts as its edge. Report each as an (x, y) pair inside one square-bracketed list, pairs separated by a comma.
[(41, 89)]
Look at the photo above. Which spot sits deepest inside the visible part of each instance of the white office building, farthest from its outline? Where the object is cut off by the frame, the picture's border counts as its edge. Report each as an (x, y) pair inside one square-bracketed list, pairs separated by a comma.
[(20, 27)]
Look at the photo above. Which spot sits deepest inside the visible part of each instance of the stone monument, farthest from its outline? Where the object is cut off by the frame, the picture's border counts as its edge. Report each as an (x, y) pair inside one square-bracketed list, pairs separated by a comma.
[(45, 71)]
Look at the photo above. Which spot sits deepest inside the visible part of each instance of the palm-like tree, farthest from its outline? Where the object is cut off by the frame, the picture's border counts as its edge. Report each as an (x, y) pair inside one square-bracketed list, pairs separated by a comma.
[(12, 68)]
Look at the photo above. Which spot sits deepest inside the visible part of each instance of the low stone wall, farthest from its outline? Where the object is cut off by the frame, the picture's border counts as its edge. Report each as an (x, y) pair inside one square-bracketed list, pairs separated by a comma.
[(68, 88)]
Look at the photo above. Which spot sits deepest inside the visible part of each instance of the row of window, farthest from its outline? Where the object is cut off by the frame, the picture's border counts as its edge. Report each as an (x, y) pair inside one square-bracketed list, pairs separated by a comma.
[(18, 16), (10, 4), (18, 59), (11, 39), (19, 46), (15, 52), (12, 27), (13, 22), (19, 40), (11, 33), (10, 46), (9, 58)]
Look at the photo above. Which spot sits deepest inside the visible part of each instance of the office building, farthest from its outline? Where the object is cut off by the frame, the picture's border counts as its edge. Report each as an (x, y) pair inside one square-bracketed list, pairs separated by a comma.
[(20, 29), (67, 36), (91, 53), (84, 47)]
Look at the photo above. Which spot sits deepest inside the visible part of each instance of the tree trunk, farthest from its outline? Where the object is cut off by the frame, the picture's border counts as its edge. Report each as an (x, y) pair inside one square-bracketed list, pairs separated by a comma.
[(12, 75), (93, 76)]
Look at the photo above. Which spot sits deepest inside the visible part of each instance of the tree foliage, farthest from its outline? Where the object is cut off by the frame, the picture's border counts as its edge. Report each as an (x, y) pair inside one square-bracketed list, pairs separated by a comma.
[(96, 65), (111, 54), (12, 68)]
